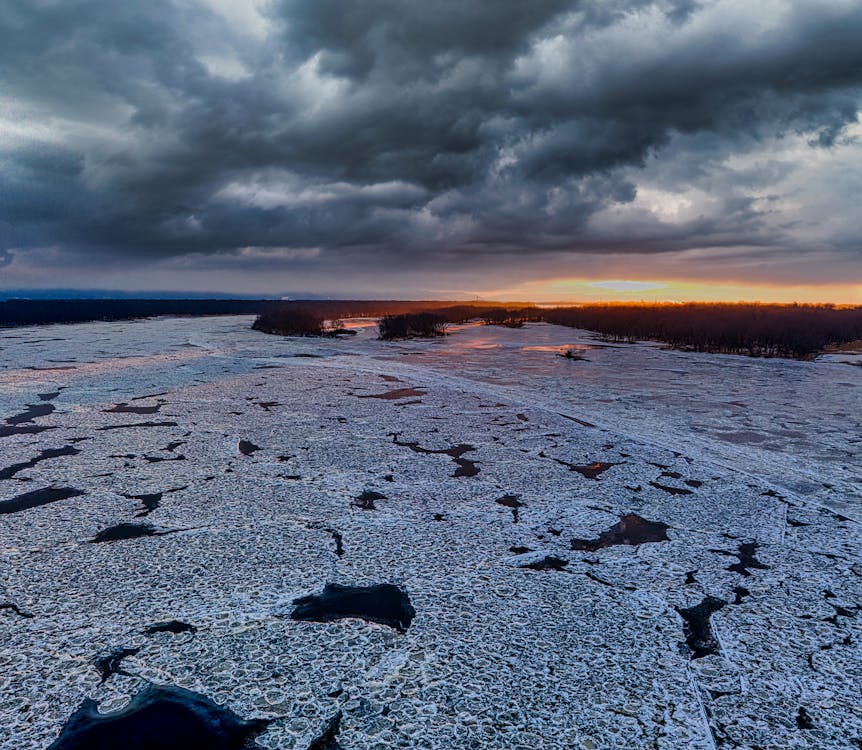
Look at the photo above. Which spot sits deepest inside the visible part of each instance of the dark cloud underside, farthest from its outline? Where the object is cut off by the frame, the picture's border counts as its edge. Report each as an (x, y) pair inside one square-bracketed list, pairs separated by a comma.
[(305, 131)]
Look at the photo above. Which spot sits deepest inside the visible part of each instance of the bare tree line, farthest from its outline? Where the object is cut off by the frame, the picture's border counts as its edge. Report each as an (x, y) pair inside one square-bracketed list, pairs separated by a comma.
[(759, 330)]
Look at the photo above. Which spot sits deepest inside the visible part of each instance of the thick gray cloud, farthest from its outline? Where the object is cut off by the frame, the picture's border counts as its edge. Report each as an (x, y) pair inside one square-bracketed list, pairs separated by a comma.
[(302, 133)]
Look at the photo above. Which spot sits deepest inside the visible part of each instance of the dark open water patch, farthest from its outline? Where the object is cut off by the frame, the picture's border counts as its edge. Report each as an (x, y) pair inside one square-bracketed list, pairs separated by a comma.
[(124, 531), (839, 610), (124, 408), (397, 394), (366, 500), (549, 562), (12, 607), (33, 411), (513, 502), (170, 626), (36, 498), (246, 447), (159, 718), (670, 490), (328, 738), (590, 471), (149, 395), (339, 541), (150, 502), (747, 560), (137, 424), (631, 530), (466, 468), (44, 455), (697, 627), (161, 459), (383, 603), (110, 663), (34, 429)]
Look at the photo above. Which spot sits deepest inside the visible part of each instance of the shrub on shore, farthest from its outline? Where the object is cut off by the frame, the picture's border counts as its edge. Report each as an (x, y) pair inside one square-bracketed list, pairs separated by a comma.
[(412, 325), (501, 316), (293, 321)]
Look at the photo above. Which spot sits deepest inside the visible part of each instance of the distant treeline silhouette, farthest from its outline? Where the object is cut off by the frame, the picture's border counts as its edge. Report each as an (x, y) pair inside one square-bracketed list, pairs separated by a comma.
[(412, 325), (295, 320), (429, 324), (398, 320), (758, 330), (26, 312)]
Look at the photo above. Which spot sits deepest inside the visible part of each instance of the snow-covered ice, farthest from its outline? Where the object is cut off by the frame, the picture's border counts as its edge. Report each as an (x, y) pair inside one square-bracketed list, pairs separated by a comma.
[(643, 549)]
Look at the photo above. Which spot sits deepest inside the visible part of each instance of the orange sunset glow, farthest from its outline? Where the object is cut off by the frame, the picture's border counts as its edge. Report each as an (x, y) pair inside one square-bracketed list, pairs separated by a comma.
[(573, 290)]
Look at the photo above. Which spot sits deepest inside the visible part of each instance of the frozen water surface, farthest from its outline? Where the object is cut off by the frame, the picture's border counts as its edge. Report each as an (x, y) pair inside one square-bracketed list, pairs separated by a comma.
[(638, 549)]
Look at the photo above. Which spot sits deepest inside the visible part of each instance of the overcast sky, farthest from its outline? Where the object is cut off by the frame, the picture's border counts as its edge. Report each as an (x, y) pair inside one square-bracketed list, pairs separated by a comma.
[(430, 147)]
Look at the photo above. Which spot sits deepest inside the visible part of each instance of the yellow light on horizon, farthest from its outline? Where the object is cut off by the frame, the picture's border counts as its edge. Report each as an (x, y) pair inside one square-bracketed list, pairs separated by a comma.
[(585, 290), (628, 286)]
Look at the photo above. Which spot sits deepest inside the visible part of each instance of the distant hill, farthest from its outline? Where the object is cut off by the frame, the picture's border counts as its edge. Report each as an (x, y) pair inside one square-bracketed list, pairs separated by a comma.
[(118, 294), (38, 311), (22, 312)]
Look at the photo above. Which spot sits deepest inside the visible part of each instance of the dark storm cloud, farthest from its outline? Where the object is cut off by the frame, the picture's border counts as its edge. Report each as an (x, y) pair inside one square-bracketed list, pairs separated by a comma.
[(459, 129)]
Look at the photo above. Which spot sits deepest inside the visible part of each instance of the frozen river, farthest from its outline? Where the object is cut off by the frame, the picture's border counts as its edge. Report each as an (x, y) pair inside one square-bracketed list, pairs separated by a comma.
[(642, 548)]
